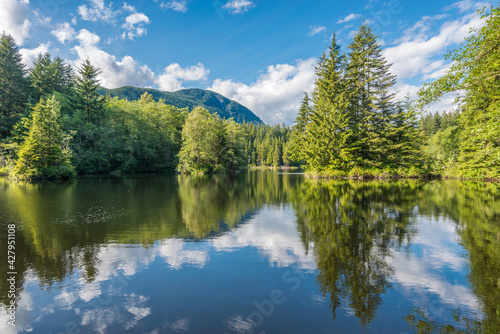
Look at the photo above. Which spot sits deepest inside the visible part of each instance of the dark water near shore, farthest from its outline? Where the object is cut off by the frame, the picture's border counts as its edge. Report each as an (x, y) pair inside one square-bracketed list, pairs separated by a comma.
[(261, 252)]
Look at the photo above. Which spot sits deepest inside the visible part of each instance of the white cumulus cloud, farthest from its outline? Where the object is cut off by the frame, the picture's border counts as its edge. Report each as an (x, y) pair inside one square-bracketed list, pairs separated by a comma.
[(64, 32), (314, 30), (96, 10), (238, 6), (114, 73), (134, 26), (14, 19), (349, 17), (275, 96), (173, 75), (178, 6), (416, 49)]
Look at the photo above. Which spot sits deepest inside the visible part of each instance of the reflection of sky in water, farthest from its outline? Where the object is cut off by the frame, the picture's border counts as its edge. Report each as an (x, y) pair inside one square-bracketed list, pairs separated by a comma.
[(179, 286)]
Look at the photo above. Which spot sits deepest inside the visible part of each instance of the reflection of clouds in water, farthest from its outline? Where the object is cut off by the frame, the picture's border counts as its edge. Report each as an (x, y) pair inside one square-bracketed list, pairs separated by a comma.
[(181, 325), (66, 299), (172, 250), (135, 306), (441, 242), (127, 315), (239, 324), (417, 272), (100, 319), (274, 233), (23, 315)]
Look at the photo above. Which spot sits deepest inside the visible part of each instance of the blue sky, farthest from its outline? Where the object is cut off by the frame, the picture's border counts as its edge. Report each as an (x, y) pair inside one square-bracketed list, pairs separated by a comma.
[(260, 53)]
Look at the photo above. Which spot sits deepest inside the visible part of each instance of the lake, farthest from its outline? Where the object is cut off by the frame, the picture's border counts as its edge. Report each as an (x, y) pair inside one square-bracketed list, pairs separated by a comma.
[(260, 252)]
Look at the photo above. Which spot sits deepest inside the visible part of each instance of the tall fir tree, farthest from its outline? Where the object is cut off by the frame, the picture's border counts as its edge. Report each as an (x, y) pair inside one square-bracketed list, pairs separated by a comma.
[(403, 137), (328, 130), (295, 149), (43, 154), (371, 103), (86, 96), (48, 76), (13, 85)]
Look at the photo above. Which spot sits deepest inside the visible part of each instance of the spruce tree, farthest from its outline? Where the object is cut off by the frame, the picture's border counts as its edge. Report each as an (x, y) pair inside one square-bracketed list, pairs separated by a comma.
[(48, 76), (404, 140), (13, 85), (371, 103), (43, 154), (328, 130), (277, 154), (299, 129), (87, 98)]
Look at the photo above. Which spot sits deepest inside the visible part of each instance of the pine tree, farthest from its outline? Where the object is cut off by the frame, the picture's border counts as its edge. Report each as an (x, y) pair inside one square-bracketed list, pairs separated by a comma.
[(48, 76), (87, 98), (404, 140), (43, 154), (328, 132), (13, 85), (371, 102), (299, 129)]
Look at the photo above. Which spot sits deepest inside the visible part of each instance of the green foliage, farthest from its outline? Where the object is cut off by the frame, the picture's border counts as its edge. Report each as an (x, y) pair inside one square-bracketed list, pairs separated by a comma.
[(44, 153), (48, 76), (475, 71), (355, 127), (140, 136), (13, 85), (210, 145), (87, 98), (269, 145)]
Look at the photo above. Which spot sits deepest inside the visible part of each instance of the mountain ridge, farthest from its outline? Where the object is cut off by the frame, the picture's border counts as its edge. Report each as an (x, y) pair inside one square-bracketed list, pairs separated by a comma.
[(190, 98)]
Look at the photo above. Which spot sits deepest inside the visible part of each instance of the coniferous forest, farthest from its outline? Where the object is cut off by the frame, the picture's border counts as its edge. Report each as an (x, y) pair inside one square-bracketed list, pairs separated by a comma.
[(55, 124)]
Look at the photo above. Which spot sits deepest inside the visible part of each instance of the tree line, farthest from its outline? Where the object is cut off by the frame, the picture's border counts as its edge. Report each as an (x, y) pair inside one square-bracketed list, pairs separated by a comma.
[(54, 123)]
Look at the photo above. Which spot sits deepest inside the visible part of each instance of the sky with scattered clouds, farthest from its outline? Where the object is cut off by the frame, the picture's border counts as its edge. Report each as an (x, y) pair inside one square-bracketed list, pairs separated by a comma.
[(257, 52)]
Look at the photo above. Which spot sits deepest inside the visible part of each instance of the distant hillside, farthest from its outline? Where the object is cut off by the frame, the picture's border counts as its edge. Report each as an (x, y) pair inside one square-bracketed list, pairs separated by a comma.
[(190, 98)]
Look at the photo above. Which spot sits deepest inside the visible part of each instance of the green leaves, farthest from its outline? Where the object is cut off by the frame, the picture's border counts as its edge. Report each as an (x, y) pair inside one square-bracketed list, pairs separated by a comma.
[(43, 154), (475, 75), (13, 85), (87, 98), (210, 145)]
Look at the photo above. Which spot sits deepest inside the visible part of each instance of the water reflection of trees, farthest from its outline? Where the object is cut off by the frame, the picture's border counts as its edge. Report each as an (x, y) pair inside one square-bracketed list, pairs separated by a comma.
[(63, 226), (353, 225), (475, 208)]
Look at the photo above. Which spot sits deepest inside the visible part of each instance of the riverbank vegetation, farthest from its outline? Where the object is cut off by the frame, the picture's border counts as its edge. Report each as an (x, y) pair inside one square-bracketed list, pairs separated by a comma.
[(54, 123)]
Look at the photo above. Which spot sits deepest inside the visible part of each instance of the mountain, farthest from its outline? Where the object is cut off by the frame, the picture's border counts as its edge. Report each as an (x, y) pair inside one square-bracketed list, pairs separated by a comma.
[(215, 103)]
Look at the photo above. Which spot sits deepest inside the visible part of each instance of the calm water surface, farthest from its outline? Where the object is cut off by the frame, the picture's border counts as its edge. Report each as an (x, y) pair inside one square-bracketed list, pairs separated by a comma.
[(256, 253)]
